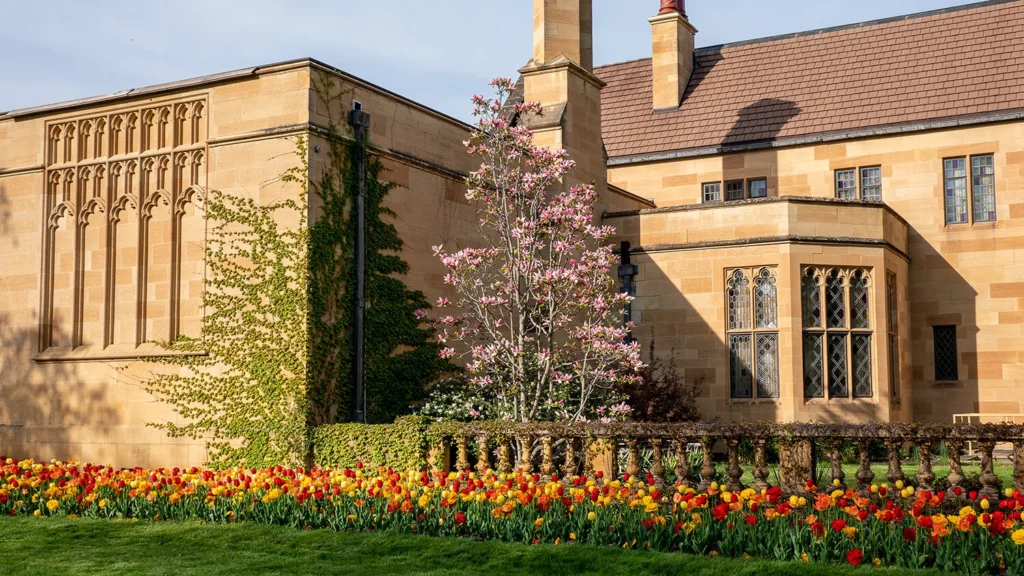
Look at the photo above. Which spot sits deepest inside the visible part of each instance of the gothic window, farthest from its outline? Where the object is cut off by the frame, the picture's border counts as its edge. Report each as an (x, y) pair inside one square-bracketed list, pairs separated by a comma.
[(765, 301), (892, 305), (835, 299), (739, 301), (753, 335), (837, 336)]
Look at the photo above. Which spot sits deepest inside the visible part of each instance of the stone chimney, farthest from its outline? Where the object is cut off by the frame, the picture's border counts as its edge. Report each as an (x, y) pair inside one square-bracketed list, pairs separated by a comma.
[(672, 56), (563, 27)]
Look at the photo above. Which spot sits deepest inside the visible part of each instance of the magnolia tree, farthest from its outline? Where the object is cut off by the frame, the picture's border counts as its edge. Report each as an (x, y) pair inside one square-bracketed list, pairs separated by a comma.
[(537, 319)]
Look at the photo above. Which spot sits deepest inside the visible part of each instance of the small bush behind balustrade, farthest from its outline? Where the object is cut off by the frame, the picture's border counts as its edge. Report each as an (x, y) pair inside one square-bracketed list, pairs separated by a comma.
[(401, 445)]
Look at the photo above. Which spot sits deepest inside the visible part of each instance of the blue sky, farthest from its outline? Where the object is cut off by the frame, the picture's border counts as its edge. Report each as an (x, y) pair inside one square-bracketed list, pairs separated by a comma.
[(438, 52)]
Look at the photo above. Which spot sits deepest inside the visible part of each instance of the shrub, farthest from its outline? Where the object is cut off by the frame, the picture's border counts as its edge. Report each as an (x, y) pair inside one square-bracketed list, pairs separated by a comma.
[(401, 445)]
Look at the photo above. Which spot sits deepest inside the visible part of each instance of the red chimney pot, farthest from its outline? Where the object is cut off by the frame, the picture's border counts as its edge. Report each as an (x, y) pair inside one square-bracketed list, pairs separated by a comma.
[(670, 6)]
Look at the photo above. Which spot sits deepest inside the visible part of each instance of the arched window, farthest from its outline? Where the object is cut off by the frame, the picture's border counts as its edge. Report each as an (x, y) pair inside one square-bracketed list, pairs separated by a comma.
[(837, 337), (739, 301), (753, 346)]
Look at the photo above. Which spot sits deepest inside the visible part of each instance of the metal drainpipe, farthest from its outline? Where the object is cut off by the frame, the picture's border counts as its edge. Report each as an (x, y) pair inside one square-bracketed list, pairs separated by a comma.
[(360, 122), (627, 271)]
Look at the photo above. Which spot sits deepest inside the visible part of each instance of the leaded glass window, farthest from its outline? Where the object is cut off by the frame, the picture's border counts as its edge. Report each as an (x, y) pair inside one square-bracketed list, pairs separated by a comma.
[(955, 176), (837, 370), (765, 302), (734, 190), (983, 188), (894, 335), (859, 313), (835, 299), (811, 298), (740, 374), (814, 381), (860, 353), (758, 188), (837, 339), (871, 183), (767, 365), (752, 327), (846, 184), (739, 301), (713, 192), (946, 368)]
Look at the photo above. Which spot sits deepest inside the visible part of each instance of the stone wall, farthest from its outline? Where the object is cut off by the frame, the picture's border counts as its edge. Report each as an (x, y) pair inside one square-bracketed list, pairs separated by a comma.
[(968, 275)]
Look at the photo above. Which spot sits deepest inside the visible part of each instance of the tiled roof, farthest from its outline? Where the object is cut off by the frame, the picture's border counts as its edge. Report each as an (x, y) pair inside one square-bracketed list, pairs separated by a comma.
[(956, 62)]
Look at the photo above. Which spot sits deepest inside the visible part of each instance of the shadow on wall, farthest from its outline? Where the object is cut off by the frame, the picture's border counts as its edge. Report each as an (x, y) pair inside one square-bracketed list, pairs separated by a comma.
[(5, 215), (945, 298), (45, 407)]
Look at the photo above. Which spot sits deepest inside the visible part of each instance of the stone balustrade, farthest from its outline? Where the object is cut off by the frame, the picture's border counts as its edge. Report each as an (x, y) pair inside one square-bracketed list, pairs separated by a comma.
[(565, 450)]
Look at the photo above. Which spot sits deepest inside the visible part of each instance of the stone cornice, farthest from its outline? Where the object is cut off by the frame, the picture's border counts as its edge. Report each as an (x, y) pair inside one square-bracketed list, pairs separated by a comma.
[(769, 200), (784, 239)]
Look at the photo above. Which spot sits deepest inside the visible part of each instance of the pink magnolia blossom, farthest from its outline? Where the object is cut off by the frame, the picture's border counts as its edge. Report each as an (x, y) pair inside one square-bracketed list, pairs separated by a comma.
[(539, 318)]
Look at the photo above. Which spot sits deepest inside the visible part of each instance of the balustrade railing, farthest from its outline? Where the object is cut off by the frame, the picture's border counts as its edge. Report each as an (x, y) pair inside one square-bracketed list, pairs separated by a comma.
[(567, 450)]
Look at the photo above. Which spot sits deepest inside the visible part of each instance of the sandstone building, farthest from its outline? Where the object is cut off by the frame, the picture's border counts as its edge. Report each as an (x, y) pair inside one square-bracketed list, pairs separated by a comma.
[(828, 225)]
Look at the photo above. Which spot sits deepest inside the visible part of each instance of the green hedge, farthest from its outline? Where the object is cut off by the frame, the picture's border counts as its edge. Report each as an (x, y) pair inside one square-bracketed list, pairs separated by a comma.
[(402, 445)]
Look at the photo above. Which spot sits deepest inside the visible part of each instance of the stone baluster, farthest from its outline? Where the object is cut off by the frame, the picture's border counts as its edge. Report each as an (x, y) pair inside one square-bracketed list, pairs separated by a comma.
[(864, 474), (956, 473), (633, 464), (483, 452), (895, 472), (657, 463), (925, 477), (989, 480), (707, 469), (525, 463), (547, 465), (589, 454), (569, 467), (504, 456), (682, 464), (760, 465), (733, 470), (1018, 465), (462, 453), (835, 458)]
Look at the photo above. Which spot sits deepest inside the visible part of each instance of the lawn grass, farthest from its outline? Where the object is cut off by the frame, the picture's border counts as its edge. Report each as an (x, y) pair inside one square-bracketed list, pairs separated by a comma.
[(30, 546)]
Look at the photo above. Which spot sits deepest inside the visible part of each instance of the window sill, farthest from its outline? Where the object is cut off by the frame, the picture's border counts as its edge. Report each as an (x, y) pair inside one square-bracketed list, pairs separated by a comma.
[(115, 353), (752, 401), (828, 401)]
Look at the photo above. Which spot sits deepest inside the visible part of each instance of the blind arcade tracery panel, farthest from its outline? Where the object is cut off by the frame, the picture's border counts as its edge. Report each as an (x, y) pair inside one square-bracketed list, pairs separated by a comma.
[(124, 228)]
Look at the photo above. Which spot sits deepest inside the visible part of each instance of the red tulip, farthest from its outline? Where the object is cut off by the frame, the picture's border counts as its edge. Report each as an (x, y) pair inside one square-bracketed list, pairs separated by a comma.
[(909, 534), (855, 557)]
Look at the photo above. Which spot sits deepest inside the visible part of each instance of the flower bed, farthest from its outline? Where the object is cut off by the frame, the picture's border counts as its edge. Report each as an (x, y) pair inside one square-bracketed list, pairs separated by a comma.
[(895, 526)]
